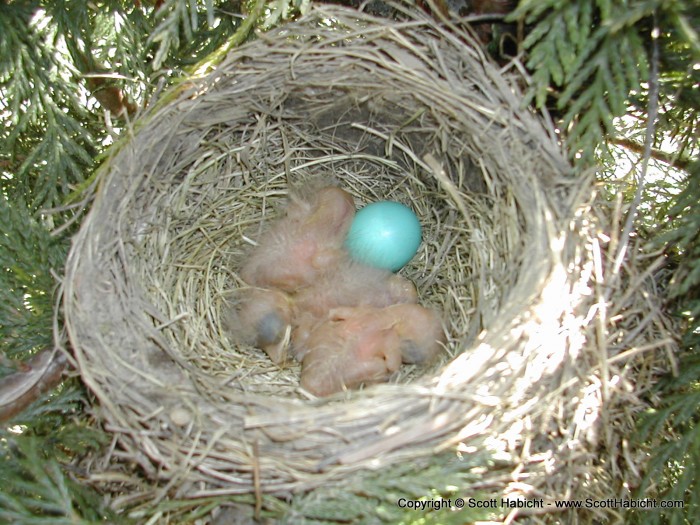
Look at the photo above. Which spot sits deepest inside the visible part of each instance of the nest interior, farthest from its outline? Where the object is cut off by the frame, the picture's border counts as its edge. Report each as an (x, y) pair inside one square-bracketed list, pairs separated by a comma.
[(409, 111)]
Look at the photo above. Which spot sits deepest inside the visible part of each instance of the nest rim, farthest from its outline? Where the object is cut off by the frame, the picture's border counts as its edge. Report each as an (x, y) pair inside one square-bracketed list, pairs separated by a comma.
[(184, 430)]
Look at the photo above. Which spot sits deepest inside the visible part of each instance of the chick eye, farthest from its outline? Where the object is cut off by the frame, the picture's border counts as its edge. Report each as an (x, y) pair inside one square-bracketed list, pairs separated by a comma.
[(270, 328), (411, 352)]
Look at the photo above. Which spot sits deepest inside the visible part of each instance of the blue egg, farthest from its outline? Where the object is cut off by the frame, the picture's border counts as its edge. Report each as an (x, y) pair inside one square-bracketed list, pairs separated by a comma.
[(384, 234)]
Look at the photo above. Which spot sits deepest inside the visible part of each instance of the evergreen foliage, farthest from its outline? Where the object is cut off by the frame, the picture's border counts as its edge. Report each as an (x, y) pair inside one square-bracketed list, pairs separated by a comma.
[(36, 453), (46, 146), (674, 426), (589, 60), (28, 255), (373, 497), (72, 72)]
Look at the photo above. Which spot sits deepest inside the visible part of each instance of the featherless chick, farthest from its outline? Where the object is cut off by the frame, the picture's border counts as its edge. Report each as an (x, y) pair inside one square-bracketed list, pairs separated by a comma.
[(305, 243), (362, 345), (353, 347), (349, 283)]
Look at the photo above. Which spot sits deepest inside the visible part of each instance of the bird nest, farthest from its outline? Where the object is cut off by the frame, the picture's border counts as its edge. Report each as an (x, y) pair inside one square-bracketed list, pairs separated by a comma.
[(407, 110)]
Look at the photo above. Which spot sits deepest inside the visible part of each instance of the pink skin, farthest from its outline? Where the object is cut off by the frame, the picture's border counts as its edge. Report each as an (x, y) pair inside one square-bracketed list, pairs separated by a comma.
[(359, 345), (420, 332), (353, 284), (348, 284), (304, 243), (353, 347)]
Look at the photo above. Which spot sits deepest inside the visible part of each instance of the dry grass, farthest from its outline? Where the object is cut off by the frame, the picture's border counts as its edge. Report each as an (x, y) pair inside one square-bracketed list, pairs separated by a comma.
[(545, 360)]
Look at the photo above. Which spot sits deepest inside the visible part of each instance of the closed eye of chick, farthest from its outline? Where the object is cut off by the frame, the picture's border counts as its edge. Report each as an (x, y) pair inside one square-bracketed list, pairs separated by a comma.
[(262, 317), (420, 332)]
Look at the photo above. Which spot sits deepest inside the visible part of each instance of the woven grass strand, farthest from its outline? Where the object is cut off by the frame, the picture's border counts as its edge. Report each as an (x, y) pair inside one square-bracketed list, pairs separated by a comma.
[(511, 256)]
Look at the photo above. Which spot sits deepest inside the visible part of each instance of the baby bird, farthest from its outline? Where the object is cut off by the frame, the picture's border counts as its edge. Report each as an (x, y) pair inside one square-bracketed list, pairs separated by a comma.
[(303, 244), (365, 344), (420, 332), (262, 317), (347, 284), (353, 347), (351, 283)]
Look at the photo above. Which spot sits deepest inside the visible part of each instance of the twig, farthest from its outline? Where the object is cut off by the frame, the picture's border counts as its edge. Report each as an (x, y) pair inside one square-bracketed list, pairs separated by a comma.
[(648, 139), (662, 156), (38, 375), (236, 40)]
